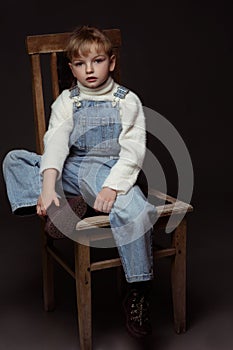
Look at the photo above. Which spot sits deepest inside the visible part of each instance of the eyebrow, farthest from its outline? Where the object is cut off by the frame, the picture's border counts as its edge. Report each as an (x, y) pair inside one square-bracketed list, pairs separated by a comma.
[(81, 59)]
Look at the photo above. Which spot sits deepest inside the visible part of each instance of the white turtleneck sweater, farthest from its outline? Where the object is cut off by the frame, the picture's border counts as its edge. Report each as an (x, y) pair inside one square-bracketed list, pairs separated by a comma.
[(132, 139)]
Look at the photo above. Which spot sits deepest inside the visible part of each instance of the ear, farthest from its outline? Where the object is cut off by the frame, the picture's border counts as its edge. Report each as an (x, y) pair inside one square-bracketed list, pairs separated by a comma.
[(71, 67), (112, 63)]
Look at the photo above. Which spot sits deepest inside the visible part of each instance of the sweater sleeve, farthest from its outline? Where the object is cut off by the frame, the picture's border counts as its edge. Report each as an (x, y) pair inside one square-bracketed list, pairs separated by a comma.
[(132, 140), (56, 139)]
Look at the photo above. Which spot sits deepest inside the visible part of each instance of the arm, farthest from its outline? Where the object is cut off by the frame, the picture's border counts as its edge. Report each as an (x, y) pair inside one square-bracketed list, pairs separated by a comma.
[(56, 139), (48, 194), (132, 140), (56, 148)]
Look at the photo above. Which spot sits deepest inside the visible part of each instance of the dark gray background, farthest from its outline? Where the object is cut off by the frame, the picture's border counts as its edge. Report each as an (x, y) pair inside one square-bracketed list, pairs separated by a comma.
[(177, 56)]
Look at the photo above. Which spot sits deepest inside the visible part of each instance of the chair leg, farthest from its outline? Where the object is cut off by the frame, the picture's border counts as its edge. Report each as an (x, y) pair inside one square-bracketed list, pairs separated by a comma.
[(83, 292), (178, 277), (48, 275)]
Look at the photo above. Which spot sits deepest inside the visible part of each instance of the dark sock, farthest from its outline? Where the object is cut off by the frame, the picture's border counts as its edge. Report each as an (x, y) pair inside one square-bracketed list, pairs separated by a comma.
[(26, 211)]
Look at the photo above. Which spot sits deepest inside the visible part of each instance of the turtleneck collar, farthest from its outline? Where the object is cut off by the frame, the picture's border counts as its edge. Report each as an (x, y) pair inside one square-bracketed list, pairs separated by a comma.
[(101, 90)]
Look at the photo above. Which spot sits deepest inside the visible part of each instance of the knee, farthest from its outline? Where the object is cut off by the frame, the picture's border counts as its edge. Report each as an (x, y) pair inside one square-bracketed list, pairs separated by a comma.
[(13, 158), (132, 206)]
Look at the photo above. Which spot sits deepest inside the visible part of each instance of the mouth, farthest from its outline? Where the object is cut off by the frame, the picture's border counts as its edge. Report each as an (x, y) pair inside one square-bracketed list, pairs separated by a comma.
[(91, 79)]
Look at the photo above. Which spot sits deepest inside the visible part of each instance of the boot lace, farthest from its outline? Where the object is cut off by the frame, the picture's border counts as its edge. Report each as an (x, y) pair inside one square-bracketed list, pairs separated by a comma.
[(139, 309)]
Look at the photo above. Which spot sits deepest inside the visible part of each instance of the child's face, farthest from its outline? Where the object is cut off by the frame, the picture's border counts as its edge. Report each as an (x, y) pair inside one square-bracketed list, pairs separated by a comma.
[(92, 69)]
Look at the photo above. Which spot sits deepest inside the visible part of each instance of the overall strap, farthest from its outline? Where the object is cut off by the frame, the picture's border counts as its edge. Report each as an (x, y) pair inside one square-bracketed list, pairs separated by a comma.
[(74, 95), (121, 92), (74, 91)]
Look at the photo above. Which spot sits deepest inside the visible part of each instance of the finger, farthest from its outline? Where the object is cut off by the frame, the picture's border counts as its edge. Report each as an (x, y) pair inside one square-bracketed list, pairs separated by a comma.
[(106, 207), (38, 210), (98, 205), (43, 210), (56, 202), (95, 206), (110, 205)]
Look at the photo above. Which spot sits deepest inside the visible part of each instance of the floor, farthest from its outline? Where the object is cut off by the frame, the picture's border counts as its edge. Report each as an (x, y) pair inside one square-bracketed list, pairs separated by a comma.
[(24, 325)]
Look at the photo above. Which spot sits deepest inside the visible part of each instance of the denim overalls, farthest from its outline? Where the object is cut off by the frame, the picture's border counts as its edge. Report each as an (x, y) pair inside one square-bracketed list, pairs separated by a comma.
[(94, 149)]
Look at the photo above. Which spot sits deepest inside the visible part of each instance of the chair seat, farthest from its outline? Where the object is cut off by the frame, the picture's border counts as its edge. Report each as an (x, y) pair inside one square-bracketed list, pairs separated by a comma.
[(60, 216)]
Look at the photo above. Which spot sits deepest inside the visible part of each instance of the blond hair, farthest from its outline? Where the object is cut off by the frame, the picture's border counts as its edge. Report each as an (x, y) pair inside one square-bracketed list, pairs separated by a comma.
[(83, 37)]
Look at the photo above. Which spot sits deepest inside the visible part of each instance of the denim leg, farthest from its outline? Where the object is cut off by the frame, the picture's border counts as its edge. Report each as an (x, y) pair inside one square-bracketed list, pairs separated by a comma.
[(22, 178), (137, 258), (132, 219)]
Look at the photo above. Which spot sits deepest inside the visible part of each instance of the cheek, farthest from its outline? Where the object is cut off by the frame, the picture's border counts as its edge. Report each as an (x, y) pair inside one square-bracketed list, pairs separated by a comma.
[(75, 73), (106, 70)]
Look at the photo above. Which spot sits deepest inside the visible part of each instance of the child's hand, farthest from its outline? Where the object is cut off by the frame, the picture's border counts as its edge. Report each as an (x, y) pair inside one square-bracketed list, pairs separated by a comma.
[(44, 201), (105, 200)]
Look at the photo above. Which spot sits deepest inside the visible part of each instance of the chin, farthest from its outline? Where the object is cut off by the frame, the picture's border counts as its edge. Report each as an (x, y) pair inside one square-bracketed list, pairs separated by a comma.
[(91, 84)]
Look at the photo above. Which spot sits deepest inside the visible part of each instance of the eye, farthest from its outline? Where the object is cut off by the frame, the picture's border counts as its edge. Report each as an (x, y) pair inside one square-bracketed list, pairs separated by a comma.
[(99, 60), (77, 64)]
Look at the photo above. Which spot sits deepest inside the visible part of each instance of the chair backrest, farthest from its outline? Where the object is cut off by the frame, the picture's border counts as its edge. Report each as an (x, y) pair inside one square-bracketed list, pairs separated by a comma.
[(60, 75)]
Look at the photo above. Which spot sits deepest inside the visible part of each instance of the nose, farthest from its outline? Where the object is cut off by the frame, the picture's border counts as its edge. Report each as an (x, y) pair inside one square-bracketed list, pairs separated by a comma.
[(89, 68)]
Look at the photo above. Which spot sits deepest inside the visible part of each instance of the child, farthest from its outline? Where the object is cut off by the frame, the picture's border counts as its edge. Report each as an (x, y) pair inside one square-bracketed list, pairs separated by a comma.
[(95, 146)]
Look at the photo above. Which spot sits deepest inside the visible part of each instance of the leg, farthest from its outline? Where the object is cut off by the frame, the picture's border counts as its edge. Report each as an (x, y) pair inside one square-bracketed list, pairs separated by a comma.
[(178, 277), (22, 178), (131, 218), (131, 221)]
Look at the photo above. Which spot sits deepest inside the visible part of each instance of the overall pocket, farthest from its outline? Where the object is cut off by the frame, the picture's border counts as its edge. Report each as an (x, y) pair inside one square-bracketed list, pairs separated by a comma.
[(96, 128)]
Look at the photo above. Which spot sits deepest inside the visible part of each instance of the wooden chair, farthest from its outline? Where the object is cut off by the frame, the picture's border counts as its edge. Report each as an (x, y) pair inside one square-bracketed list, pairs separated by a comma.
[(53, 45)]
